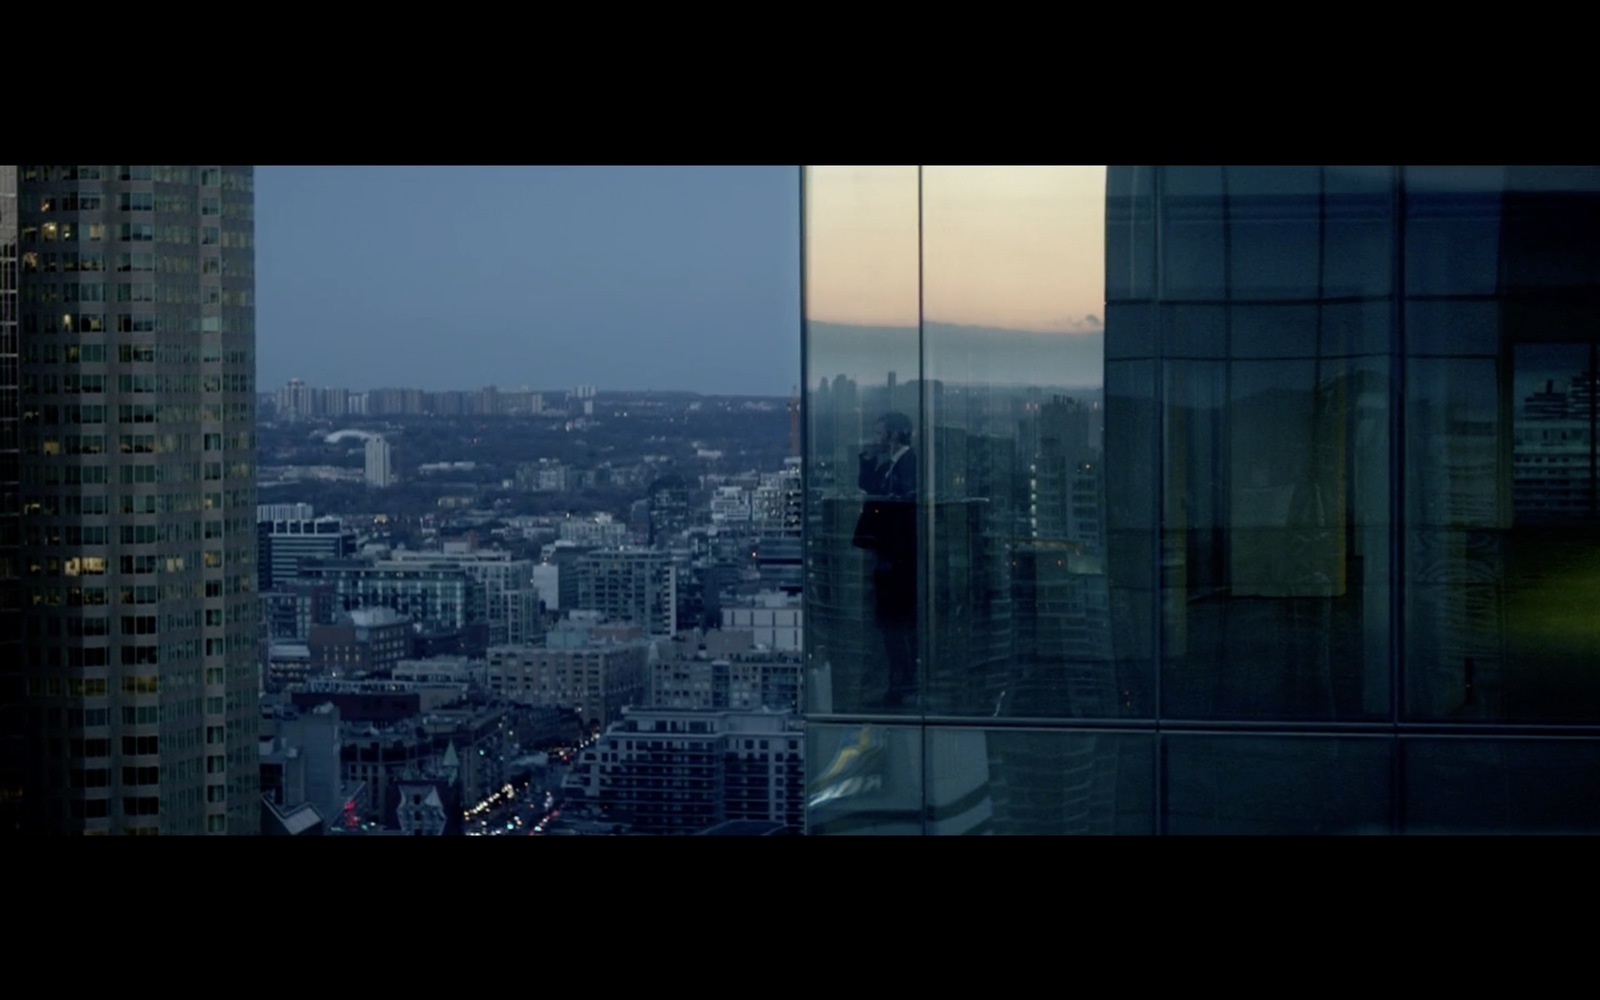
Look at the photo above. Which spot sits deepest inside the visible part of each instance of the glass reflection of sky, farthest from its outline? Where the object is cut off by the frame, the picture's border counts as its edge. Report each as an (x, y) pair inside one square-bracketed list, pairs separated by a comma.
[(1016, 247), (1016, 251)]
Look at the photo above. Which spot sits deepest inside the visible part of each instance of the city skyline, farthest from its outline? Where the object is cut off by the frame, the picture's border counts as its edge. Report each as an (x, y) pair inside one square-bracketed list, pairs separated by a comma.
[(971, 500)]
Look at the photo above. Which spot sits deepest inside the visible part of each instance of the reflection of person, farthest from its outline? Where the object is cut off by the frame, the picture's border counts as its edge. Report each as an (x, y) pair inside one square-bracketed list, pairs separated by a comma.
[(888, 529)]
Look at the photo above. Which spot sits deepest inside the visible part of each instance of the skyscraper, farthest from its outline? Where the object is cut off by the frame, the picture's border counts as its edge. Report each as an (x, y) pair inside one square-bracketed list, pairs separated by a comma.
[(13, 747), (1299, 522), (136, 337)]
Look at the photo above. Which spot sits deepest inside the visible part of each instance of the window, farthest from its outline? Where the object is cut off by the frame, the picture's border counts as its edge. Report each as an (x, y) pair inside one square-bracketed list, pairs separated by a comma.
[(1179, 504)]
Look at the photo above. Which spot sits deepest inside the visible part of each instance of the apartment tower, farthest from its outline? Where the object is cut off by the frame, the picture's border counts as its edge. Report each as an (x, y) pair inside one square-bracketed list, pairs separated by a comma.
[(135, 337)]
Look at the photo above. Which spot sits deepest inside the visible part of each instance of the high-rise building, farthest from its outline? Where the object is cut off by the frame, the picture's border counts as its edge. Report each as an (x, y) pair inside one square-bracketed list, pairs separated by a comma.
[(13, 707), (378, 473), (136, 338), (1247, 500)]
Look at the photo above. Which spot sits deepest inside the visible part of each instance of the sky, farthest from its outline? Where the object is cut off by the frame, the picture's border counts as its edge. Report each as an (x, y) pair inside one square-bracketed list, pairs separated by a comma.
[(1004, 266), (624, 278), (1016, 248)]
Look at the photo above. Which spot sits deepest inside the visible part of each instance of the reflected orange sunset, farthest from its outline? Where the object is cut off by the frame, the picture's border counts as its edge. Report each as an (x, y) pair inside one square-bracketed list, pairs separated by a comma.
[(1019, 248)]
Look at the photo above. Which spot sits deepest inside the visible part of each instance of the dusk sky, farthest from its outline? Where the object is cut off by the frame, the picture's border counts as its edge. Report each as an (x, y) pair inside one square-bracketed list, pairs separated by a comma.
[(672, 278)]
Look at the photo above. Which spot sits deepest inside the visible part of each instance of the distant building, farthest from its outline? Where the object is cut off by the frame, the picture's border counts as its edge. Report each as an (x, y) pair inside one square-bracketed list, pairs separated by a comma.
[(599, 680), (600, 531), (436, 595), (717, 677), (290, 609), (427, 807), (669, 507), (662, 771), (630, 584), (379, 474), (773, 618), (300, 768), (505, 600), (363, 641), (283, 542)]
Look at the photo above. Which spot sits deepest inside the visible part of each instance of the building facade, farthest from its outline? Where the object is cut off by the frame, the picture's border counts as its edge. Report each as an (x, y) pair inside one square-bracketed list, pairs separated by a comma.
[(137, 405), (596, 680), (630, 585), (13, 700), (378, 471), (1248, 500), (283, 543), (661, 771)]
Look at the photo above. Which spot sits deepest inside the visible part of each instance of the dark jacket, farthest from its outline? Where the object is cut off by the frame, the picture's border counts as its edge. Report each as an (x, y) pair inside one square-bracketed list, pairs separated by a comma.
[(888, 522)]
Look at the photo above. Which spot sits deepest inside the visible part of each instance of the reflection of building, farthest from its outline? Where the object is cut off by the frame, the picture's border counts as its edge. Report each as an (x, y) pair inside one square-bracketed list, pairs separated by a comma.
[(1554, 454), (1336, 500)]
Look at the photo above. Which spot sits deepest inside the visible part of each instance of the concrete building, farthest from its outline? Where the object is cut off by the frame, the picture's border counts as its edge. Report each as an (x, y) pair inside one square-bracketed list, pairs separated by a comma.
[(436, 595), (774, 619), (379, 472), (630, 584), (506, 598), (682, 772), (300, 768), (598, 679), (360, 642)]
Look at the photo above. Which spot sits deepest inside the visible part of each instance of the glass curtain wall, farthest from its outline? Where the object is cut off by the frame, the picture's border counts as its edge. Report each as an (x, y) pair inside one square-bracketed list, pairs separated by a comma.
[(1208, 500), (958, 602)]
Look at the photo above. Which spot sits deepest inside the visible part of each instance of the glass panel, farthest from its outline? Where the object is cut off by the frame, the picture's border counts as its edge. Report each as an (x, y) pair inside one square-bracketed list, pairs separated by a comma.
[(862, 359), (1036, 783), (1503, 505), (1277, 576), (864, 779), (1132, 460), (1274, 468), (1013, 264), (1502, 786), (1276, 785)]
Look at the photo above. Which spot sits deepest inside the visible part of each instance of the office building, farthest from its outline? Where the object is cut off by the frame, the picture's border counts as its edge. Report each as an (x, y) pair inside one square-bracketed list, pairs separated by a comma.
[(1247, 500), (136, 340), (284, 542)]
